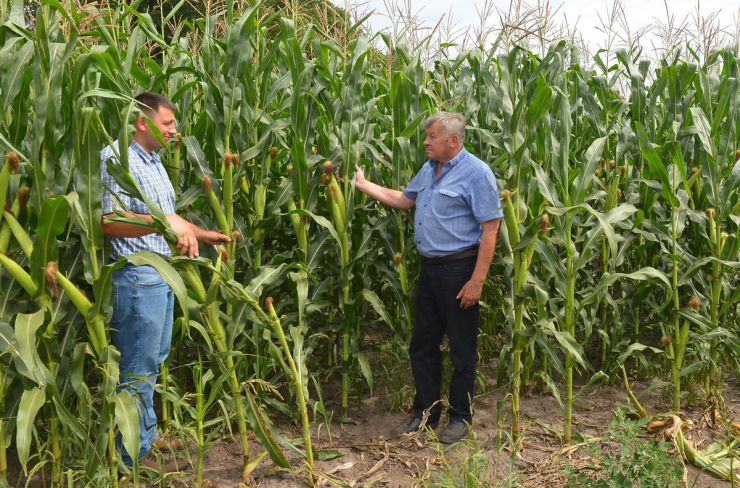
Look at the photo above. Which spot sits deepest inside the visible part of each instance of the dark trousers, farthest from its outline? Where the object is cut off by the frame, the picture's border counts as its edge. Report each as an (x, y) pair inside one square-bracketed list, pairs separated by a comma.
[(438, 312)]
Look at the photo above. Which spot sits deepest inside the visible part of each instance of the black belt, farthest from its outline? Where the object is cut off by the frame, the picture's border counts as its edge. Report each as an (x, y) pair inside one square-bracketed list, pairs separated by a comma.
[(467, 253)]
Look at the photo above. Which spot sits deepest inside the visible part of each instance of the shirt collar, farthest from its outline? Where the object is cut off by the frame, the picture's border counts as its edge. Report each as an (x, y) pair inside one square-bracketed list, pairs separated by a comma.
[(148, 158), (452, 162)]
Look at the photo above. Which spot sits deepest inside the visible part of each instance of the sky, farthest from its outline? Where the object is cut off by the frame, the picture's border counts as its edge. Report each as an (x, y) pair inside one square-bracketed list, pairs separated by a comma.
[(583, 13)]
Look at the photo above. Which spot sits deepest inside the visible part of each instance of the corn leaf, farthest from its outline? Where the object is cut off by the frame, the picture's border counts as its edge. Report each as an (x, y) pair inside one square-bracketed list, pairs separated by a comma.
[(127, 420), (31, 401), (52, 222)]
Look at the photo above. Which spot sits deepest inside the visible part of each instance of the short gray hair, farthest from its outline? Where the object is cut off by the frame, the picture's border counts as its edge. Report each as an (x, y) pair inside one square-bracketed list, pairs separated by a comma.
[(452, 123)]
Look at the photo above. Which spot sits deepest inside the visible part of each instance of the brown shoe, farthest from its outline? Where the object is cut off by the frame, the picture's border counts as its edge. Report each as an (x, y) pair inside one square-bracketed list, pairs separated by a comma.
[(164, 444), (159, 464)]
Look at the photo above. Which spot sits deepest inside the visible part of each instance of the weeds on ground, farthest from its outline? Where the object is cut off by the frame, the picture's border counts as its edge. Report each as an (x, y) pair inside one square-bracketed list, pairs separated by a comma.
[(463, 466), (624, 460)]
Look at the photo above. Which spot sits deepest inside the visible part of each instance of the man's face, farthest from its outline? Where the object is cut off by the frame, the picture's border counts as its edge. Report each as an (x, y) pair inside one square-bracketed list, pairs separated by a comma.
[(164, 120), (440, 147)]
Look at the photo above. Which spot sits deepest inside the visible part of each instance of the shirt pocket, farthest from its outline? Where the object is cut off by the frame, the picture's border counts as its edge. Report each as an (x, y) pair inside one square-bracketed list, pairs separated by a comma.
[(448, 203), (449, 193)]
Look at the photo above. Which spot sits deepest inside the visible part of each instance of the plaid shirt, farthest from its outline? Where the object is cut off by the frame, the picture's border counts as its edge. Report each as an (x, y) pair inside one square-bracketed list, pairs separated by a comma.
[(148, 172)]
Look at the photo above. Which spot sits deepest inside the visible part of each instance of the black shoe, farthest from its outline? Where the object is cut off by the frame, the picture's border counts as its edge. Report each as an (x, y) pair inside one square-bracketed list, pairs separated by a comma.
[(454, 431), (415, 423)]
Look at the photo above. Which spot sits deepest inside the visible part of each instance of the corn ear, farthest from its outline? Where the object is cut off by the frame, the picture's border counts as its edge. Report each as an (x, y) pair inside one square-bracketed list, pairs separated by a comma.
[(174, 166), (218, 210), (4, 181), (510, 218), (95, 325), (337, 204), (299, 227), (19, 274), (20, 235), (260, 200), (5, 230), (228, 190)]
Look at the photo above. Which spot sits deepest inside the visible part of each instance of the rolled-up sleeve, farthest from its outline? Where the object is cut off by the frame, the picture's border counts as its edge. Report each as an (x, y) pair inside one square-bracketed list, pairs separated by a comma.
[(416, 184)]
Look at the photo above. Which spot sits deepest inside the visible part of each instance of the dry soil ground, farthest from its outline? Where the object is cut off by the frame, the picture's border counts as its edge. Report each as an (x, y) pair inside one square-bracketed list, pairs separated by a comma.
[(373, 454)]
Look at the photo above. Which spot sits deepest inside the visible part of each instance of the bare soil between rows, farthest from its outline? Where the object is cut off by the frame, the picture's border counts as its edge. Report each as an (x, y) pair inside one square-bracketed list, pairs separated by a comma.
[(373, 453)]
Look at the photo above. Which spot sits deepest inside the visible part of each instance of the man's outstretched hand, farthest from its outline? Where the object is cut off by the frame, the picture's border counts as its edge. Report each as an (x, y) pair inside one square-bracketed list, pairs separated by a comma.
[(212, 237), (189, 235)]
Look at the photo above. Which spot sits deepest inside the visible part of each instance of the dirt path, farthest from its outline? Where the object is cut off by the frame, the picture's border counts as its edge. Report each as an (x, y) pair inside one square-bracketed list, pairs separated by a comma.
[(372, 454)]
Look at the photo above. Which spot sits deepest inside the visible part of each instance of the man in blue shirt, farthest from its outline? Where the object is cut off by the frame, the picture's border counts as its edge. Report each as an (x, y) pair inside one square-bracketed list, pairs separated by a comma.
[(142, 302), (455, 228)]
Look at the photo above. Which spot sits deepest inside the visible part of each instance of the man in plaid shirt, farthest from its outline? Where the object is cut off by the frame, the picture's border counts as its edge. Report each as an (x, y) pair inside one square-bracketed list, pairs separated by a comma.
[(143, 302)]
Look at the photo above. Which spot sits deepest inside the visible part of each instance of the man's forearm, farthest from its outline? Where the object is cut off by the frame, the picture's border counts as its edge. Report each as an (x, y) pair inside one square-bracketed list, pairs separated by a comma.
[(387, 196), (486, 251), (124, 229)]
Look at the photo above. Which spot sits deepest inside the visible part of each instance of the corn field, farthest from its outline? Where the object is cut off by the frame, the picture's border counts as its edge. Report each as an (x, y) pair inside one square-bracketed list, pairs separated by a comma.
[(618, 252)]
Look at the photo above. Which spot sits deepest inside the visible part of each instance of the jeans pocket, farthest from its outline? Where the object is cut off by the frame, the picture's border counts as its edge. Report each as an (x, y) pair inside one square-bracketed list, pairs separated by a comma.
[(147, 277)]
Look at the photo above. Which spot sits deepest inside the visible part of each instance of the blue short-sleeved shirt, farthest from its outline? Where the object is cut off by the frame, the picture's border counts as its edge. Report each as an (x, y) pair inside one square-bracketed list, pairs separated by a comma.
[(450, 207), (147, 170)]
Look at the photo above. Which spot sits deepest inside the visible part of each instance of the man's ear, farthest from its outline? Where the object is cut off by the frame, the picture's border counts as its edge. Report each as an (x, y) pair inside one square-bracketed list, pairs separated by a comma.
[(140, 123)]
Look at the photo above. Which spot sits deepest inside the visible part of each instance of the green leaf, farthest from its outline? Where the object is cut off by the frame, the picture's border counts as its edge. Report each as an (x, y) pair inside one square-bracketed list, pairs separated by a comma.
[(328, 454), (554, 263), (31, 401), (546, 187), (33, 368), (88, 183), (268, 276), (596, 378), (703, 130), (540, 103), (695, 318), (554, 390), (636, 347), (373, 299), (52, 222), (203, 333), (656, 165), (265, 431), (127, 419), (7, 339), (566, 341), (367, 372), (642, 274), (168, 274), (326, 223), (103, 289), (301, 283), (70, 422), (604, 225), (584, 179)]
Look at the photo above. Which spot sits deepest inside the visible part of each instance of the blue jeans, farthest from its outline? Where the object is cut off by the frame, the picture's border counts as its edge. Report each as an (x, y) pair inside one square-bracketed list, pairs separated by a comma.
[(142, 331)]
